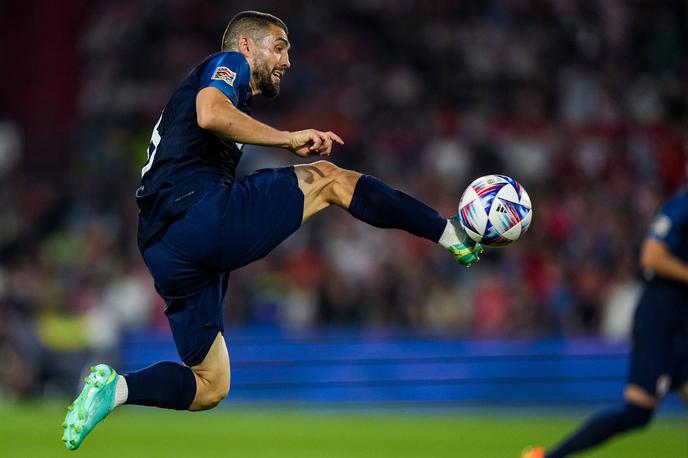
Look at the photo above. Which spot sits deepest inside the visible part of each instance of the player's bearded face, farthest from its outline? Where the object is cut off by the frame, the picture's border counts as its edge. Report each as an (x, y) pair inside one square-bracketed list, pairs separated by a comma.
[(271, 60), (265, 82)]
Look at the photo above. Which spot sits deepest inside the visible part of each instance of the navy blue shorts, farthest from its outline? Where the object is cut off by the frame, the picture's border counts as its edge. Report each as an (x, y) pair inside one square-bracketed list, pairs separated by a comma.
[(229, 227), (659, 358)]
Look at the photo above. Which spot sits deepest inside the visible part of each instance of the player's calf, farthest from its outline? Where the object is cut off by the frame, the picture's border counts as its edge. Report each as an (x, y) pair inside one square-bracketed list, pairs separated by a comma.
[(372, 201)]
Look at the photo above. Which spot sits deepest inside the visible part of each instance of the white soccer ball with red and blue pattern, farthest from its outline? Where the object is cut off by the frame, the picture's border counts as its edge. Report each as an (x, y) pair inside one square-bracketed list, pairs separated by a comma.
[(495, 210)]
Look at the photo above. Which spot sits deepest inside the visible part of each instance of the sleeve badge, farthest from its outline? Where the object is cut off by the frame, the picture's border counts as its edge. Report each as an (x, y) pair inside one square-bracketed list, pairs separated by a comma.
[(224, 74), (661, 226)]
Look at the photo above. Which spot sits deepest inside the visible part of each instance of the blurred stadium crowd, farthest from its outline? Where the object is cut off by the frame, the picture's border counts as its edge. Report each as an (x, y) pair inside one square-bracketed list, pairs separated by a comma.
[(584, 102)]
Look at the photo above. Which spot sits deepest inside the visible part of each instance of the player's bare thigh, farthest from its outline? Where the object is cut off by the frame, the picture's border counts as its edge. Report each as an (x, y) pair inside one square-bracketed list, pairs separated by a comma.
[(637, 395), (324, 184), (684, 393), (212, 376)]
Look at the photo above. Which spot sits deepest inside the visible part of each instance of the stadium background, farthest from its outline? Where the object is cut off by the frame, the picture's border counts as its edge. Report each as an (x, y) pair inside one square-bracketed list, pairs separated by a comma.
[(584, 102)]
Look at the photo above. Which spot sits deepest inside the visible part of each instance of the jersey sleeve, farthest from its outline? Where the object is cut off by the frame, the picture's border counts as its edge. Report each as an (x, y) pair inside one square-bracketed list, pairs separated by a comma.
[(230, 73), (669, 225)]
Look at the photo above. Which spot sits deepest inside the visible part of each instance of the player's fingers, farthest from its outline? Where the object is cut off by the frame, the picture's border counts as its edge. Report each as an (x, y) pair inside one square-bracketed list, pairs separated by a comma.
[(316, 141), (326, 147), (324, 139), (300, 151), (335, 137), (322, 152)]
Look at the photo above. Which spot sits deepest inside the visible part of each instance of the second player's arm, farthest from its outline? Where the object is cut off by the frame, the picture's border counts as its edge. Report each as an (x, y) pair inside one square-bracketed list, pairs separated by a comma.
[(216, 113), (655, 256)]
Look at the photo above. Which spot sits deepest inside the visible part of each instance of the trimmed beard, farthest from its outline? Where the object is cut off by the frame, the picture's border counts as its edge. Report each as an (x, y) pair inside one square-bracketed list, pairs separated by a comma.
[(263, 78)]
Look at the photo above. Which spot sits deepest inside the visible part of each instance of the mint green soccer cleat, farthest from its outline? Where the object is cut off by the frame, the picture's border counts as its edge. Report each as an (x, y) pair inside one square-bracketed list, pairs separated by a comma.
[(95, 402), (467, 253)]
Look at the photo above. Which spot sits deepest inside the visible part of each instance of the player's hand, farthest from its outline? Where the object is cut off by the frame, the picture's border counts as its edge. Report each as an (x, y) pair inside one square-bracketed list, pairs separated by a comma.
[(311, 142)]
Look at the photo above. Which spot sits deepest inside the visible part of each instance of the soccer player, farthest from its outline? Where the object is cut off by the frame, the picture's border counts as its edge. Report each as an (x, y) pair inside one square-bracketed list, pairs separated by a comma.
[(659, 359), (197, 222)]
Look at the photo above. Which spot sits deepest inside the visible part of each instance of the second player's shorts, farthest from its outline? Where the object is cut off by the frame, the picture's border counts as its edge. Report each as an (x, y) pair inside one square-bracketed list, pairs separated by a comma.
[(659, 359), (229, 227)]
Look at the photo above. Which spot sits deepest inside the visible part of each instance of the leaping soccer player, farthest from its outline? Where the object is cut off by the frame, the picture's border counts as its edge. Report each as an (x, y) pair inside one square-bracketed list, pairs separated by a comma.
[(659, 358), (197, 222)]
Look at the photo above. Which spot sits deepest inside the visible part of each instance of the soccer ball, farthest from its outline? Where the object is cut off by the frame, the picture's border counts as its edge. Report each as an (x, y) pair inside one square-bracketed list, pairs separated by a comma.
[(495, 210)]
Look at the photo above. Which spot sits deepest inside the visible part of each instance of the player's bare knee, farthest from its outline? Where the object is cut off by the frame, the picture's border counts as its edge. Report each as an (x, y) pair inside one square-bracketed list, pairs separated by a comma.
[(216, 395), (324, 184), (209, 395), (343, 186), (314, 178), (340, 183), (206, 403), (212, 379), (634, 394), (317, 180)]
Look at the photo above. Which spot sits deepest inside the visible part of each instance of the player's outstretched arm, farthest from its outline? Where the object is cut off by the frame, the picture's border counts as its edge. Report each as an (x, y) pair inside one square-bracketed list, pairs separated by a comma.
[(216, 113), (655, 256)]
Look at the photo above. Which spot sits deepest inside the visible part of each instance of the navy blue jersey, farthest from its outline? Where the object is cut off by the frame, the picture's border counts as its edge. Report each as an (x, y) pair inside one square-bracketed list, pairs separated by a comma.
[(182, 157), (671, 228), (659, 360)]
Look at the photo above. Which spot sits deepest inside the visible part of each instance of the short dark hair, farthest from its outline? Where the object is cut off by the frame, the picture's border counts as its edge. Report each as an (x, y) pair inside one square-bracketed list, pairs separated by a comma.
[(248, 23)]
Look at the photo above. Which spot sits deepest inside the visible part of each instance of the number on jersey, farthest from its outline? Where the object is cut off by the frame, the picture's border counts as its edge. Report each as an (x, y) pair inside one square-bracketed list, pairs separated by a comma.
[(152, 147)]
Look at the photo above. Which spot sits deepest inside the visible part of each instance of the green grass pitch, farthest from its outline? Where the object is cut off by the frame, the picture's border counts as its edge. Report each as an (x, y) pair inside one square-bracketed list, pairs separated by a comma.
[(237, 431)]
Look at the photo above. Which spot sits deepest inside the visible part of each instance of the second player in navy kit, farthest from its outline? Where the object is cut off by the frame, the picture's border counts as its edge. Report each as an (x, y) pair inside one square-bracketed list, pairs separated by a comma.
[(659, 357), (198, 222)]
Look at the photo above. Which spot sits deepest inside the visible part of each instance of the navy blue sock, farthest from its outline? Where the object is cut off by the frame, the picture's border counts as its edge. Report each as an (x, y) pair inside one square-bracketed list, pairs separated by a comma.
[(601, 427), (166, 384), (379, 205)]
